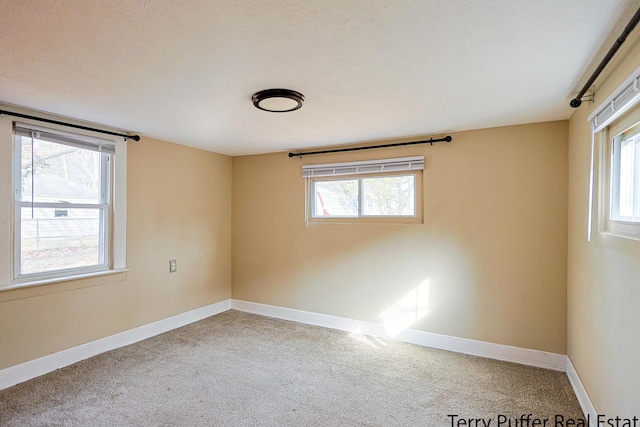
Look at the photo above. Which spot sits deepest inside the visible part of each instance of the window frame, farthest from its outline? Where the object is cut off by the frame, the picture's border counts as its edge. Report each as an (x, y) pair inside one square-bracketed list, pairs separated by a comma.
[(104, 206), (614, 232), (115, 234), (612, 222), (417, 218)]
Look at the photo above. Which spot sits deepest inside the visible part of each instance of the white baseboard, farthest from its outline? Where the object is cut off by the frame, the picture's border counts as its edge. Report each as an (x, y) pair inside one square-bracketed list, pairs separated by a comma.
[(581, 393), (34, 368), (508, 353), (541, 359)]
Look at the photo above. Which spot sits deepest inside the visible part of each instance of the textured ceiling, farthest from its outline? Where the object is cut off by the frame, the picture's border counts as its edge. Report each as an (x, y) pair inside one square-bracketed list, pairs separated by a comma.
[(184, 71)]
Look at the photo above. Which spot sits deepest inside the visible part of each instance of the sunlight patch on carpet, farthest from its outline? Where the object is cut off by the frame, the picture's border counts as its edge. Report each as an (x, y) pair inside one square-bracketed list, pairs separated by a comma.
[(371, 341)]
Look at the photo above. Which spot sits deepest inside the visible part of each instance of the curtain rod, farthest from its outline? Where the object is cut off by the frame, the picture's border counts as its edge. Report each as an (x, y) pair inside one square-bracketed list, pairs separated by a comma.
[(577, 101), (398, 144), (71, 125)]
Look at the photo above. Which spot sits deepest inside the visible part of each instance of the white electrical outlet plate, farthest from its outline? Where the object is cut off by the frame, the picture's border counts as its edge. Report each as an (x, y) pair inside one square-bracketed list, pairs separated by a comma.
[(173, 266)]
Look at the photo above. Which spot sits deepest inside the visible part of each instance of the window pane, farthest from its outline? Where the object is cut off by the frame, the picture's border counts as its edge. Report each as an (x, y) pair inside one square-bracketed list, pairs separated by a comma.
[(336, 198), (629, 179), (59, 173), (389, 196), (54, 242)]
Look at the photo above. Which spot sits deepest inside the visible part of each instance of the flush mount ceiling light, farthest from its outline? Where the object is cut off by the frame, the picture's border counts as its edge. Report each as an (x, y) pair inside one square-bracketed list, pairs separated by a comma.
[(278, 100)]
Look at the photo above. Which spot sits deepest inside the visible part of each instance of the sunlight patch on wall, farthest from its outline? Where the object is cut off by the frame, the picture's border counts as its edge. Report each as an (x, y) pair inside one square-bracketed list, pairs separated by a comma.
[(405, 312)]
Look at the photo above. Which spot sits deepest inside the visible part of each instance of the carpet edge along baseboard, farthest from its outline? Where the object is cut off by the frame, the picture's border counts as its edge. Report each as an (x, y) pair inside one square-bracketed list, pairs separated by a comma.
[(25, 371)]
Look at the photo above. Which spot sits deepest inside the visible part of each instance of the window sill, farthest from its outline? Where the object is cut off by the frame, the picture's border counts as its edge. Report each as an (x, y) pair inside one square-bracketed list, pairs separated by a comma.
[(319, 223), (629, 245), (21, 285), (385, 220)]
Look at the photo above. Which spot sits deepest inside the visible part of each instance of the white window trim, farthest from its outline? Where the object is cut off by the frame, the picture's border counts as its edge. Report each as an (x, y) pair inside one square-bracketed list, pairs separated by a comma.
[(119, 201), (619, 235), (103, 206), (374, 168), (78, 276), (625, 97), (626, 225), (610, 223)]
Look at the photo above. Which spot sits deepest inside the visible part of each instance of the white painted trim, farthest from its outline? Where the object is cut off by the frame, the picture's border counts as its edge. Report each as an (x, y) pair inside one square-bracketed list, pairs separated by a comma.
[(18, 285), (34, 368), (508, 353), (120, 206), (582, 395)]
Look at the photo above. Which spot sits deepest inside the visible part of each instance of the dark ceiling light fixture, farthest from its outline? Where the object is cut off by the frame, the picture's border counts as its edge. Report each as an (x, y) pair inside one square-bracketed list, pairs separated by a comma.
[(278, 100)]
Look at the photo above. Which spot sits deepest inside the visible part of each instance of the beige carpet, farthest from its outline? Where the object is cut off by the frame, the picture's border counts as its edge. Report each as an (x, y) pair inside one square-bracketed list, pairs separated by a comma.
[(238, 369)]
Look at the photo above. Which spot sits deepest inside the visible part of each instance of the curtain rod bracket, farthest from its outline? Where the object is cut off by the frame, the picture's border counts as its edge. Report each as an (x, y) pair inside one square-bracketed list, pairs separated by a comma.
[(71, 125), (589, 97), (575, 103)]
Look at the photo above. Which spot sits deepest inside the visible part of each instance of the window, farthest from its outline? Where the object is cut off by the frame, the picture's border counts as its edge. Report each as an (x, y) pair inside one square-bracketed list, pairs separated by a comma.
[(624, 183), (382, 196), (388, 188), (614, 218), (63, 204)]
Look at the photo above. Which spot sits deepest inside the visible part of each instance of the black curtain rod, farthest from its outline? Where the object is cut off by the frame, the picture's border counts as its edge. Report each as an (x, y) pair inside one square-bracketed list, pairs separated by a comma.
[(71, 125), (577, 101), (398, 144)]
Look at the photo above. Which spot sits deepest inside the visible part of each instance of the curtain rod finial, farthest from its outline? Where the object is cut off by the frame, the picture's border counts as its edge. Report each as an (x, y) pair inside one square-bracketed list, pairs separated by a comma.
[(575, 103)]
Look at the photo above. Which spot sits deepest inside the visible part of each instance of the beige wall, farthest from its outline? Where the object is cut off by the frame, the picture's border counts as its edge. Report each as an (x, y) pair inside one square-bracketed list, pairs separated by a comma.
[(603, 284), (179, 207), (492, 246)]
